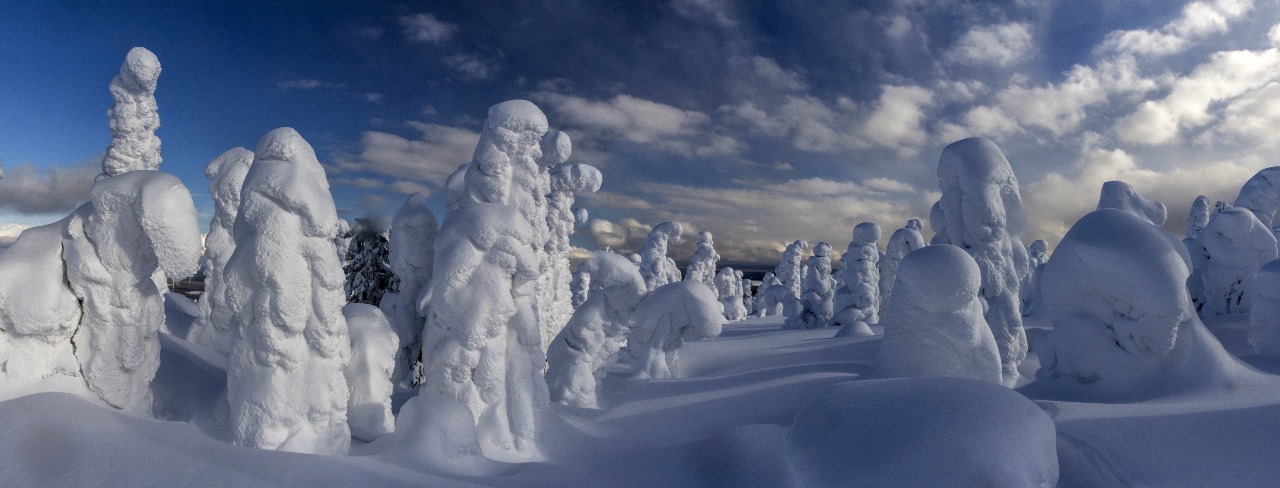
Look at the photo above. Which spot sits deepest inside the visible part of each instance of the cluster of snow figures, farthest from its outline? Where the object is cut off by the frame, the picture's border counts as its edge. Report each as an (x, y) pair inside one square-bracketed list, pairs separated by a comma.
[(981, 212), (728, 287), (411, 251), (656, 268), (858, 298), (1227, 245), (702, 266), (816, 303)]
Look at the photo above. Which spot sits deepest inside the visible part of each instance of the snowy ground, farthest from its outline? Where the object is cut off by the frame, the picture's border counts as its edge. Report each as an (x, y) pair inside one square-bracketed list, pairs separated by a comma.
[(723, 423)]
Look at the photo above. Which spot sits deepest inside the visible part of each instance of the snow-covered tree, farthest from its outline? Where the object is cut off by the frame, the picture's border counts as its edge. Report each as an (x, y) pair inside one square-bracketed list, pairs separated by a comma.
[(581, 285), (1235, 245), (858, 298), (555, 300), (411, 248), (934, 325), (702, 266), (373, 361), (818, 294), (981, 206), (748, 301), (1261, 195), (938, 223), (765, 303), (1037, 255), (367, 267), (901, 243), (1264, 311), (134, 118), (577, 358), (664, 320), (729, 292), (1198, 217), (213, 328), (285, 378), (656, 268), (790, 276), (1121, 195)]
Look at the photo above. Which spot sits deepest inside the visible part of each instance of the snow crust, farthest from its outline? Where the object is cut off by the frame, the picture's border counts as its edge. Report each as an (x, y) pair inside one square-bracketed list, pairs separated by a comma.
[(668, 317), (134, 118), (226, 174), (411, 249), (1121, 195), (369, 373), (555, 285)]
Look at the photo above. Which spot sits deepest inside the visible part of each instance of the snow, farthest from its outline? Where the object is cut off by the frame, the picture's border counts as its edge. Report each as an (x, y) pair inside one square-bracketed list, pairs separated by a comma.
[(858, 298), (936, 327), (664, 320), (39, 312), (555, 286), (901, 243), (373, 360), (1121, 195), (1197, 217), (702, 266), (818, 295), (285, 383), (226, 174), (1264, 312), (134, 118), (1235, 245), (656, 268), (1261, 195), (728, 288), (981, 206), (411, 251), (923, 432)]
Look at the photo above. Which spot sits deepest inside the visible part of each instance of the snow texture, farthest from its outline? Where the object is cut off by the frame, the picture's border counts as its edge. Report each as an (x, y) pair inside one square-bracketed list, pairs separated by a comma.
[(411, 251), (702, 266), (1037, 255), (581, 285), (748, 300), (285, 382), (455, 187), (769, 302), (226, 174), (1261, 195), (728, 287), (39, 312), (858, 299), (133, 118), (938, 223), (935, 327), (922, 432), (1264, 312), (1198, 217), (1235, 244), (982, 210), (482, 344), (790, 276), (903, 242), (818, 295), (555, 288), (1121, 195), (1124, 326), (577, 358), (664, 320), (656, 268), (373, 360)]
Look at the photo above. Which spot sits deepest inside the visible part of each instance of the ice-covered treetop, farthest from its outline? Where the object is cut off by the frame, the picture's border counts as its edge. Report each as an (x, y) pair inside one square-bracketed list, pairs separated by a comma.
[(575, 177), (940, 279), (1120, 195), (285, 168), (1039, 246), (517, 116), (706, 237), (140, 71), (977, 172), (664, 232), (915, 224), (227, 172), (608, 269), (865, 234), (822, 250), (1116, 268), (1261, 194), (415, 213), (1198, 218)]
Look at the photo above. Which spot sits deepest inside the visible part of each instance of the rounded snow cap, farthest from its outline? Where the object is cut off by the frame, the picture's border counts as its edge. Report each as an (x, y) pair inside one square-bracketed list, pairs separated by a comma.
[(915, 224), (518, 116), (233, 156), (670, 228), (866, 233), (141, 69), (575, 178), (978, 156), (556, 147), (1039, 246), (943, 276), (822, 249), (705, 236), (609, 269), (415, 213), (284, 144)]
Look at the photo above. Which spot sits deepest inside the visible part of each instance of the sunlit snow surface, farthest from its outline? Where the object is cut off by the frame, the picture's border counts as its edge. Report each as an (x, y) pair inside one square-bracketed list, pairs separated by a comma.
[(724, 423)]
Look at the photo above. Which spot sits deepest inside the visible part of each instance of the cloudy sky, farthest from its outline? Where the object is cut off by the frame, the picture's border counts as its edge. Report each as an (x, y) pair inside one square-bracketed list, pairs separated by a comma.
[(760, 121)]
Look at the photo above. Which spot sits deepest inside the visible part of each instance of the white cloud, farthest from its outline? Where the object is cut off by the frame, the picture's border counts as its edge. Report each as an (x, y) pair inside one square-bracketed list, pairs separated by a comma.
[(428, 158), (715, 11), (425, 27), (471, 67), (1197, 21), (641, 121), (769, 71), (996, 45), (9, 232), (29, 189), (307, 84), (893, 121), (897, 121)]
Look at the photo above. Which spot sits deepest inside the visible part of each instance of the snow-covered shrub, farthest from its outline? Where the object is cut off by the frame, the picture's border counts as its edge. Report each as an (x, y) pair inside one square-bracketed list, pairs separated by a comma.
[(1264, 311), (1124, 326), (482, 342), (934, 327), (790, 275), (1261, 195), (1121, 195), (373, 361), (411, 249), (982, 209), (728, 288), (367, 267), (922, 432), (858, 298), (818, 295), (285, 381), (702, 266), (1235, 244), (664, 320), (585, 346), (656, 268), (901, 243), (213, 328), (134, 117)]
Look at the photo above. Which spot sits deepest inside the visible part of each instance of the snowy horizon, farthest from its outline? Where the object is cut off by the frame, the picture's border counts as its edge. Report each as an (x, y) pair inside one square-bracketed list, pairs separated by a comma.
[(761, 123)]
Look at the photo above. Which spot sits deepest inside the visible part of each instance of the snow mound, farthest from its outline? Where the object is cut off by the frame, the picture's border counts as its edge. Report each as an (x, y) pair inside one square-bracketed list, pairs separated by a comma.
[(664, 320), (1264, 314), (935, 327), (38, 310), (373, 360), (922, 432), (1121, 195)]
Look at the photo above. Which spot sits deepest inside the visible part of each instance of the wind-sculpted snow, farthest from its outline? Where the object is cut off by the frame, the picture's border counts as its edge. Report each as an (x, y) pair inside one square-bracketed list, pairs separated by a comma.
[(858, 298), (577, 358), (555, 286), (1198, 217), (412, 249), (285, 381), (580, 286), (1121, 195), (1124, 325), (982, 209), (656, 268), (790, 278), (134, 118), (935, 327), (728, 287), (922, 432), (39, 312), (1261, 195), (818, 295), (702, 266), (903, 242), (769, 302), (213, 328), (373, 360), (664, 320), (1264, 311), (1235, 244), (1037, 255)]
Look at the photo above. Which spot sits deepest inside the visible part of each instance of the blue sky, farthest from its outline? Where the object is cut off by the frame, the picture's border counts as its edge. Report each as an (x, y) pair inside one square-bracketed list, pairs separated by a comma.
[(761, 121)]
